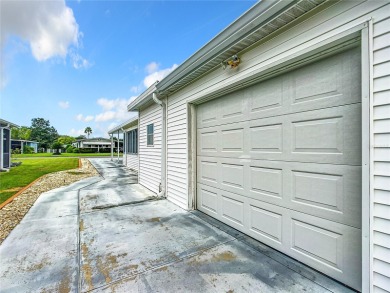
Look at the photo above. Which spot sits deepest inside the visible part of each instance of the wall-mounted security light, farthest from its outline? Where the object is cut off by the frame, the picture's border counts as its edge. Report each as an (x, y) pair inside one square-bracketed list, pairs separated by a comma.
[(232, 62)]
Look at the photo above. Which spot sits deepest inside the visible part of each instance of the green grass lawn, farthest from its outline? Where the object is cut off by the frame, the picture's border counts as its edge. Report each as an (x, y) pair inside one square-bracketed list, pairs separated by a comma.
[(76, 155), (18, 177)]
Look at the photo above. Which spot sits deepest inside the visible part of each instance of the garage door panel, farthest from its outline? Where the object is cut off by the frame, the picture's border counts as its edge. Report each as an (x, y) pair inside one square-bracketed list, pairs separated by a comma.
[(208, 115), (233, 110), (266, 138), (232, 139), (266, 98), (331, 247), (320, 244), (324, 136), (266, 224), (208, 171), (324, 190), (318, 190), (207, 200), (328, 83), (266, 182), (232, 175), (208, 142), (232, 208)]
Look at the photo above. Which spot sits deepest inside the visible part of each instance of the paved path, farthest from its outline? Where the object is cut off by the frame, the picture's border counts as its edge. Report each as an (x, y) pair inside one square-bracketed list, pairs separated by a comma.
[(109, 234)]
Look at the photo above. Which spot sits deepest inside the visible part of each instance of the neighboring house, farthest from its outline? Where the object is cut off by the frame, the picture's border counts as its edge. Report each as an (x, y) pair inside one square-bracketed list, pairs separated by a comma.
[(94, 143), (291, 147), (5, 144), (129, 129), (20, 143)]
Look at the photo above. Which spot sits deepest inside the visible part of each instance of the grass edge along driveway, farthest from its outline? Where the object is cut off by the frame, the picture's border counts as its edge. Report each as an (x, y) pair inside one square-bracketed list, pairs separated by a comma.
[(18, 177)]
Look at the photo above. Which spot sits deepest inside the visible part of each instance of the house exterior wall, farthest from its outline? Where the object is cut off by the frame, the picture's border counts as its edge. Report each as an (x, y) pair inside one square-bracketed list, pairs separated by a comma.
[(150, 156), (132, 161), (324, 24)]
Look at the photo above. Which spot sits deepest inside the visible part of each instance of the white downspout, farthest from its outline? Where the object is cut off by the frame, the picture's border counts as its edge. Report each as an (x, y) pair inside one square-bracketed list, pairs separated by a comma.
[(118, 147), (112, 146), (163, 144)]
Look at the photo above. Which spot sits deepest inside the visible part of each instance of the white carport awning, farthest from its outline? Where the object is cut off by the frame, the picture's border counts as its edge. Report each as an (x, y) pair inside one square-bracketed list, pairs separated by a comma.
[(127, 124)]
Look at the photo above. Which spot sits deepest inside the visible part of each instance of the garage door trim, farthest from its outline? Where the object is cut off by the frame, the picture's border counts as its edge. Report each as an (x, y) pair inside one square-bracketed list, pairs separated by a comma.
[(365, 31)]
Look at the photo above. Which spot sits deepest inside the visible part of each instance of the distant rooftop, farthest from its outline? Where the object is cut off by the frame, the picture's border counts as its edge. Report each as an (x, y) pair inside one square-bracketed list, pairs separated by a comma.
[(5, 123)]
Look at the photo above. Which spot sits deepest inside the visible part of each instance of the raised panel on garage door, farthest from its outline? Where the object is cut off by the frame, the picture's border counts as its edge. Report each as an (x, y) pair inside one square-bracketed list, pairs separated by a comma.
[(281, 162)]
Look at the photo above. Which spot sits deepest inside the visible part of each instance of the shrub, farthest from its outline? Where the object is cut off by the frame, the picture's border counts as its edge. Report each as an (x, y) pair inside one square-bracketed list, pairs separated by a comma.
[(105, 150), (76, 150), (15, 152), (28, 150), (87, 150)]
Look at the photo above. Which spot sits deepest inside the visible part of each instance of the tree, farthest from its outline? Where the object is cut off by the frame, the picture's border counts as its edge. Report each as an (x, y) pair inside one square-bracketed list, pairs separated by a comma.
[(66, 139), (42, 132), (56, 146), (81, 137), (23, 132), (88, 131)]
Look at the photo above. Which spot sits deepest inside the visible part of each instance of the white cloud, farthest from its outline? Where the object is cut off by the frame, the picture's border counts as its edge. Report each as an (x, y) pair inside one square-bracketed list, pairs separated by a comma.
[(78, 62), (89, 118), (156, 74), (152, 67), (76, 132), (81, 117), (113, 109), (3, 79), (48, 26), (105, 116), (136, 89), (63, 105)]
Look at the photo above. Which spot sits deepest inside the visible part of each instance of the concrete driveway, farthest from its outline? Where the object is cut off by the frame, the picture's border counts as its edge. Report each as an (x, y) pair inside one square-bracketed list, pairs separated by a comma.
[(109, 234)]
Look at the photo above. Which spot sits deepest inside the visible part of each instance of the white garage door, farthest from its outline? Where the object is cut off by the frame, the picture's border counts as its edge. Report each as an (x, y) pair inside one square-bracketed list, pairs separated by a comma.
[(281, 161)]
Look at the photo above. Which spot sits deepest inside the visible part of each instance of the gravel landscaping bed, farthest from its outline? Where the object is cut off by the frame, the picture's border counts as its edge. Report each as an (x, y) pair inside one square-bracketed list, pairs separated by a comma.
[(13, 213)]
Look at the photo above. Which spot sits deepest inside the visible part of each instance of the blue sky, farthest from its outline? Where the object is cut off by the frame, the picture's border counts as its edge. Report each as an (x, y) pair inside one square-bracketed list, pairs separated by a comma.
[(79, 63)]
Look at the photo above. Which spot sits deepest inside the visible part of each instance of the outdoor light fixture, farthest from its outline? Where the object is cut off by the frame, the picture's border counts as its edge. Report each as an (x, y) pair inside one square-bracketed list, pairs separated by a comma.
[(232, 62)]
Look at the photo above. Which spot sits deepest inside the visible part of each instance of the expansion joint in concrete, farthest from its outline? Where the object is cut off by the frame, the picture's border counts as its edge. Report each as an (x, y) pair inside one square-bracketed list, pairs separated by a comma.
[(109, 206)]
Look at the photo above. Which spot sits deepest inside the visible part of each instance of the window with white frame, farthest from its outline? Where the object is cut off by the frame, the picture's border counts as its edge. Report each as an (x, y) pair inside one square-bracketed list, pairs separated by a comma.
[(150, 135), (132, 141)]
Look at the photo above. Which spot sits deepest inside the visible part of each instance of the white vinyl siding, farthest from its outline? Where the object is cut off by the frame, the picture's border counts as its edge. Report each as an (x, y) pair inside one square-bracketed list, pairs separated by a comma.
[(150, 156), (381, 165), (327, 23), (177, 152), (132, 162)]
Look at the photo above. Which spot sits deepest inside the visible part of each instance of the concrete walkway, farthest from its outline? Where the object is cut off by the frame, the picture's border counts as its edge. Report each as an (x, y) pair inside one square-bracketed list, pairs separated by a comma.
[(109, 234)]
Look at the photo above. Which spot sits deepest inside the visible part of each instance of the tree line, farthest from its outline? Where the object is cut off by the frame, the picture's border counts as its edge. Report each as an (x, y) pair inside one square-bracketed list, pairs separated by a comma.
[(46, 135)]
